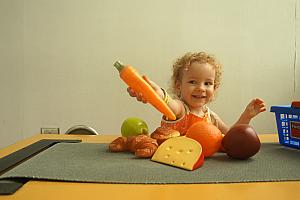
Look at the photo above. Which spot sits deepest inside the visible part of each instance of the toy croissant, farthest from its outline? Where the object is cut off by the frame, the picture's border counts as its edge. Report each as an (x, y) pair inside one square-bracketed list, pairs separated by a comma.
[(143, 146)]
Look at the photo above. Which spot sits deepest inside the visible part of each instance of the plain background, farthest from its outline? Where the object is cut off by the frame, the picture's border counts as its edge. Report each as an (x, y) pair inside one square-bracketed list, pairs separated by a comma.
[(56, 58)]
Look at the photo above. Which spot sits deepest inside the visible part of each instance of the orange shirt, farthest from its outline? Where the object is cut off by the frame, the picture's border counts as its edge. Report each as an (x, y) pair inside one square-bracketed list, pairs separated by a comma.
[(183, 124)]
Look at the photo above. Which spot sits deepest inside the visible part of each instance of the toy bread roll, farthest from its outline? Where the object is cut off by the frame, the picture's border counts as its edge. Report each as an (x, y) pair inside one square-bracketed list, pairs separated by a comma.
[(180, 152), (161, 134)]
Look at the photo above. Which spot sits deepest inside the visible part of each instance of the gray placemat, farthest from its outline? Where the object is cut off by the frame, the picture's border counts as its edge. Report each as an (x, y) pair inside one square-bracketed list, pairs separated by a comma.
[(86, 162)]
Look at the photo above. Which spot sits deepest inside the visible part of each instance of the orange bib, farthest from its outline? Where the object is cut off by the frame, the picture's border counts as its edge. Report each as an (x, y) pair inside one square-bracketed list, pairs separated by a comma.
[(183, 124)]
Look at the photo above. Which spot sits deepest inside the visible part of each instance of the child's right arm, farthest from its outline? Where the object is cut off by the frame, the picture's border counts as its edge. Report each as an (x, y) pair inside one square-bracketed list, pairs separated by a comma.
[(176, 105), (255, 107)]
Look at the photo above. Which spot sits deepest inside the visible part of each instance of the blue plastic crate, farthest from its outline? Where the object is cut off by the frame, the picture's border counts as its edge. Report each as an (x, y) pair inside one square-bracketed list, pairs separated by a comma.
[(288, 125)]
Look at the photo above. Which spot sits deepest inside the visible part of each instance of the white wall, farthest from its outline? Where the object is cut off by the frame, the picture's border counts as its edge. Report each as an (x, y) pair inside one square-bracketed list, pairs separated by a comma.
[(58, 67), (11, 72)]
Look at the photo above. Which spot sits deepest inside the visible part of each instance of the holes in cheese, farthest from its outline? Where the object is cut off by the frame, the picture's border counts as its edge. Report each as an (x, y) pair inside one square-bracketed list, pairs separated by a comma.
[(180, 152)]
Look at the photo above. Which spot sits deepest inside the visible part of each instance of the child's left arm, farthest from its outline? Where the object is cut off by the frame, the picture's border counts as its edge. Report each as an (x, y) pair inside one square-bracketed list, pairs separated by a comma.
[(255, 107)]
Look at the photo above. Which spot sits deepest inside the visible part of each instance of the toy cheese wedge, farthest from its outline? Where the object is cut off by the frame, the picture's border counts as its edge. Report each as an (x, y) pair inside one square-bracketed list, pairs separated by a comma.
[(180, 152)]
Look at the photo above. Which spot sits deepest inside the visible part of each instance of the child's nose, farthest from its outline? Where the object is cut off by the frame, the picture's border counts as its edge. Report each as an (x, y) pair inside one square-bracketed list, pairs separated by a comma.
[(201, 87)]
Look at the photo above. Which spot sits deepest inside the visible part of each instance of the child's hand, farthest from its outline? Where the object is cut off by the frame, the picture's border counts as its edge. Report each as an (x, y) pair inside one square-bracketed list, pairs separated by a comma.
[(255, 107), (139, 96)]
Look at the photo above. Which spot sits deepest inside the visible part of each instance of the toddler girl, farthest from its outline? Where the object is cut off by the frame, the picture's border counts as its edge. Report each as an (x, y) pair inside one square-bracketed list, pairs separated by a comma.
[(195, 79)]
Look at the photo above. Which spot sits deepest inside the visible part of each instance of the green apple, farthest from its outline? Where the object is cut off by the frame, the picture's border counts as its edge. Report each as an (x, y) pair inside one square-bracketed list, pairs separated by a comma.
[(134, 126)]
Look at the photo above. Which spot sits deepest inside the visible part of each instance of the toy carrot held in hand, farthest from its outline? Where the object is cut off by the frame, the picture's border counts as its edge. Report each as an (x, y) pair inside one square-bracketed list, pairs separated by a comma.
[(132, 78)]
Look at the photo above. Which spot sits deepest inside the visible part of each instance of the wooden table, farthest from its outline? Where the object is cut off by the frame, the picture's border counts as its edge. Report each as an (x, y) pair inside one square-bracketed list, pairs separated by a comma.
[(68, 190)]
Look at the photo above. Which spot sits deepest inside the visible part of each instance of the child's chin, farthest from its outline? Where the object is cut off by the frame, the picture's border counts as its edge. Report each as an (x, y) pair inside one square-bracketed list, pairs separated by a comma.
[(199, 104)]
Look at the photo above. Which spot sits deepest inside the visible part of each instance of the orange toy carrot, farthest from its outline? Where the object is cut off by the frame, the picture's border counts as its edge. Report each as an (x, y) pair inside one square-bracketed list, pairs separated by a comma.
[(132, 78)]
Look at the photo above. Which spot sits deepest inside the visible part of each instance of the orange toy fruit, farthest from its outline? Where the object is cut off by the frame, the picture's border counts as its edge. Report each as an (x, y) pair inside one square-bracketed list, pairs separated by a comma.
[(208, 135)]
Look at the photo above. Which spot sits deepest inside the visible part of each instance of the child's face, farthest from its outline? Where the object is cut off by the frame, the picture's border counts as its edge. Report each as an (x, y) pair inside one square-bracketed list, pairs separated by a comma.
[(197, 85)]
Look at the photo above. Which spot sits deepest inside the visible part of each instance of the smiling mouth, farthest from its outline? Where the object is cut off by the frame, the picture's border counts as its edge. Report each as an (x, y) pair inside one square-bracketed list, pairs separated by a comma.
[(198, 96)]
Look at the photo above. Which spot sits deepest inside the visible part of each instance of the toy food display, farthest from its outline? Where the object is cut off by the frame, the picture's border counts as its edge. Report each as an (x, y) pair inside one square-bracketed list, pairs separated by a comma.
[(241, 142), (180, 152), (295, 104), (134, 126), (119, 145), (142, 145), (208, 135), (131, 77), (288, 124), (161, 134)]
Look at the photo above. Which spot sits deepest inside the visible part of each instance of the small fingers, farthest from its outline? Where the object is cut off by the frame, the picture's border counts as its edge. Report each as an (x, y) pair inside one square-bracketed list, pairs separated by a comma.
[(263, 109), (140, 97), (258, 101), (151, 83), (260, 104), (131, 92), (146, 79)]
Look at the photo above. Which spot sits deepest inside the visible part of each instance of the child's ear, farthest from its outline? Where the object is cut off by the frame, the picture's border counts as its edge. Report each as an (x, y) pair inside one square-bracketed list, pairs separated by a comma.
[(215, 87), (178, 88)]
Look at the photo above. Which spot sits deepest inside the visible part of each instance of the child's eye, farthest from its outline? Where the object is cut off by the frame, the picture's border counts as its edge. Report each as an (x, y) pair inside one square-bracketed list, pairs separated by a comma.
[(192, 82), (208, 83)]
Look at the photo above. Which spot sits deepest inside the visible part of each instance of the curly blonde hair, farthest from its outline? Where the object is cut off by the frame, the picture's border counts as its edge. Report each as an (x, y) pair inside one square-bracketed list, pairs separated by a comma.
[(186, 60)]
